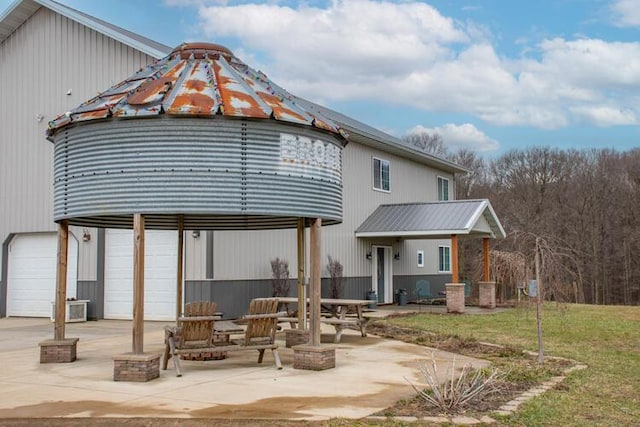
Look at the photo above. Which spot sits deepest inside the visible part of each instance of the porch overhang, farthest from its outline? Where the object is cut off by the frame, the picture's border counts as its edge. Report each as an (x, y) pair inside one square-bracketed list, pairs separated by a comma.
[(433, 220)]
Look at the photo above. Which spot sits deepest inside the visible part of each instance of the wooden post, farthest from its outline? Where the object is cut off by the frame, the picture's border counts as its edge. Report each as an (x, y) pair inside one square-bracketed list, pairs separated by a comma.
[(485, 259), (138, 283), (61, 280), (315, 285), (455, 277), (180, 266), (302, 303)]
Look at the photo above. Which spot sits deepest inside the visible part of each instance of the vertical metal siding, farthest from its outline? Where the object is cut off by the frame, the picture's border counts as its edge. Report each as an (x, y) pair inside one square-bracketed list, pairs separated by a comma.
[(246, 255), (43, 59)]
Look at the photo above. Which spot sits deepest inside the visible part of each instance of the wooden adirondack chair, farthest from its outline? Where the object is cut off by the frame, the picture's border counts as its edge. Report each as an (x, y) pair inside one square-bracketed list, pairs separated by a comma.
[(197, 332)]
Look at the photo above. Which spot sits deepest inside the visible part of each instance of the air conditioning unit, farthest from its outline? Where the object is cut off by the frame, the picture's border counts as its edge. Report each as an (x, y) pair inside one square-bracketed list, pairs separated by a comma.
[(76, 311)]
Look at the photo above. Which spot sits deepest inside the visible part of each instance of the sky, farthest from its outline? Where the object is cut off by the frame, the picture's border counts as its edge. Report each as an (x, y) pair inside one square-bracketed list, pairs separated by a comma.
[(488, 75)]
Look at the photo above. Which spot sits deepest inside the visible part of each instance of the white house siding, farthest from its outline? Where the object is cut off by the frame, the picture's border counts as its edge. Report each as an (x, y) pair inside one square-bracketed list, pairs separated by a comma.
[(41, 61), (245, 254)]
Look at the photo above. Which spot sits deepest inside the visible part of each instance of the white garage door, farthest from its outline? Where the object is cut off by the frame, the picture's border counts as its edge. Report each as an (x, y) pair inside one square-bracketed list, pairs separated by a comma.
[(33, 259), (160, 273)]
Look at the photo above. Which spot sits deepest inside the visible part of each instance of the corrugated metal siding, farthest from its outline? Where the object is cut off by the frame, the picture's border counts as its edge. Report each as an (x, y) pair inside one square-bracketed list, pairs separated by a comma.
[(39, 63), (198, 167)]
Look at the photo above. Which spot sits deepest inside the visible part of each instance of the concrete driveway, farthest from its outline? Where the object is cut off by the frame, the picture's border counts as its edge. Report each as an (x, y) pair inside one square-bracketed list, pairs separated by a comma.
[(371, 374)]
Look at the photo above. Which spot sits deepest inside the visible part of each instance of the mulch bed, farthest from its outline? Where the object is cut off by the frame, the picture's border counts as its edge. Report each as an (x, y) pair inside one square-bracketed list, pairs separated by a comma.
[(520, 371)]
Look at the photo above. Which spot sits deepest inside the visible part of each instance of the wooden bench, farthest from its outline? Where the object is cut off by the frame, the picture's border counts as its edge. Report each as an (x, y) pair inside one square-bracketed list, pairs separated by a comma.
[(343, 323), (196, 334)]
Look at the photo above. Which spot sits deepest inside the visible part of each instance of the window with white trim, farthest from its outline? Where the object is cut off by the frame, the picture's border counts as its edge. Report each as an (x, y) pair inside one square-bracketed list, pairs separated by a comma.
[(381, 179), (444, 259), (420, 258), (443, 188)]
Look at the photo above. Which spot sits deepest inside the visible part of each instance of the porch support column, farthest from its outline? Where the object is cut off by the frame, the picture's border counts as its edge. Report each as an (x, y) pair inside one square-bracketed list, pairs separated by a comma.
[(180, 266), (455, 277), (313, 356), (138, 284), (61, 280), (137, 366), (485, 259), (302, 303), (59, 349), (315, 285)]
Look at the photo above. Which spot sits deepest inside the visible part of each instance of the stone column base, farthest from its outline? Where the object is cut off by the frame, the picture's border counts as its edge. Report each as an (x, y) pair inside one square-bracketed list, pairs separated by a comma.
[(136, 367), (295, 337), (58, 351), (455, 297), (487, 294), (314, 358)]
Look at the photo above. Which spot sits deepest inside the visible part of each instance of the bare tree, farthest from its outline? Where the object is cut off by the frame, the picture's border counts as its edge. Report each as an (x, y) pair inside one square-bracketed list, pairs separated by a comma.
[(431, 143)]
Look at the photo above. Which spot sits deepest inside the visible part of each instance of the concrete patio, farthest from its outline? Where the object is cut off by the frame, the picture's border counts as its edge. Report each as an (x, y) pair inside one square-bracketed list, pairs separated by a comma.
[(369, 376)]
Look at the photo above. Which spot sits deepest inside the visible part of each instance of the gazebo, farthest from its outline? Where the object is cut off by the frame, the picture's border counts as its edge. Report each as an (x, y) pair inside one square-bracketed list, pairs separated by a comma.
[(196, 140)]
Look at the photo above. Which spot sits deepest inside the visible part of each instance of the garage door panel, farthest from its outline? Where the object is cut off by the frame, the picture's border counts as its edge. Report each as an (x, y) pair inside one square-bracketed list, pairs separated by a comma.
[(31, 277), (160, 274)]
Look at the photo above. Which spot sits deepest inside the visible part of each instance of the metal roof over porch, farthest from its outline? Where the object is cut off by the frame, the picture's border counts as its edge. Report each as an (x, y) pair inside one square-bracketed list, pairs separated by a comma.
[(433, 220)]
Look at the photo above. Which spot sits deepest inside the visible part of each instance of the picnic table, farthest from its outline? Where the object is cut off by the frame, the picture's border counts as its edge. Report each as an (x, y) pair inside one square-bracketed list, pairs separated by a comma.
[(347, 313)]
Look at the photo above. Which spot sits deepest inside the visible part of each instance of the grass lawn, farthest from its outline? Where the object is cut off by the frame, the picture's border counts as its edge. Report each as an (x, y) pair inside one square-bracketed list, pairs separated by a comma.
[(606, 338)]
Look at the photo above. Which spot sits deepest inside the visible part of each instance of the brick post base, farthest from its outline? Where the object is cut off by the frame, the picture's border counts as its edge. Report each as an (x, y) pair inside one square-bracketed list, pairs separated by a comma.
[(455, 297), (314, 358), (58, 351), (136, 367), (295, 337), (487, 294)]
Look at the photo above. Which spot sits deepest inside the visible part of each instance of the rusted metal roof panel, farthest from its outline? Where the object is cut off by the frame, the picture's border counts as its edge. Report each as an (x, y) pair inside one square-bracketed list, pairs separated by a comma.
[(197, 79)]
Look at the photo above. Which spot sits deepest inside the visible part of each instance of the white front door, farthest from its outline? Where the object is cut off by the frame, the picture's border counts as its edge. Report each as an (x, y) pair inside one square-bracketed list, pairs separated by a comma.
[(382, 282), (160, 274), (31, 277)]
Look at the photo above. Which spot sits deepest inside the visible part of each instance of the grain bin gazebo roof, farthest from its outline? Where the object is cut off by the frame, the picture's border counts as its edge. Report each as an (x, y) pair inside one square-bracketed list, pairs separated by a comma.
[(201, 134), (196, 140)]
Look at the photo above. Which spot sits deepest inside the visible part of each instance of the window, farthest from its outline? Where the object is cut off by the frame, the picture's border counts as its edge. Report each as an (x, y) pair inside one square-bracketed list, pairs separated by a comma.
[(443, 188), (444, 259), (381, 175), (420, 258)]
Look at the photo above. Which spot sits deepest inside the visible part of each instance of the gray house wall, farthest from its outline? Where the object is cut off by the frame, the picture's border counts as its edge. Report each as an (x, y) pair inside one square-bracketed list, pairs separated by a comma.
[(47, 66), (241, 258)]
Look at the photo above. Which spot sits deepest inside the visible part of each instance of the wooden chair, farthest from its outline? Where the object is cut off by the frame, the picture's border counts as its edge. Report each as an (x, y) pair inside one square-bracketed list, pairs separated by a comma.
[(201, 308), (197, 332)]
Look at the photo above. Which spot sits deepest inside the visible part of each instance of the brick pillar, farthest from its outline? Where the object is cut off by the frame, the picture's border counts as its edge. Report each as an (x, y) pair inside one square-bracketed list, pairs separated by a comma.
[(314, 358), (455, 297), (296, 337), (487, 294), (58, 351), (136, 367)]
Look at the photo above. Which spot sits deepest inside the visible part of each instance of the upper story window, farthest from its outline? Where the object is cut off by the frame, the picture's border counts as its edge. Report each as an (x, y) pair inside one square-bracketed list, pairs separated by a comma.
[(444, 259), (381, 180), (443, 188)]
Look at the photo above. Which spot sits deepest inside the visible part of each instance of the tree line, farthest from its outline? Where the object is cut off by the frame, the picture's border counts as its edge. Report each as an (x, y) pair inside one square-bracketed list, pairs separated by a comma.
[(585, 204)]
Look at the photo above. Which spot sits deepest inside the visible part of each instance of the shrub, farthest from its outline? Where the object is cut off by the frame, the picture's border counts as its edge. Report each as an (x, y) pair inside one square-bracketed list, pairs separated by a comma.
[(454, 391), (279, 277)]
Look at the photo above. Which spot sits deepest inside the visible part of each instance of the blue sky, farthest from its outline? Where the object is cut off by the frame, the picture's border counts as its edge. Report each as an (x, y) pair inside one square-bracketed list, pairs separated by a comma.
[(489, 75)]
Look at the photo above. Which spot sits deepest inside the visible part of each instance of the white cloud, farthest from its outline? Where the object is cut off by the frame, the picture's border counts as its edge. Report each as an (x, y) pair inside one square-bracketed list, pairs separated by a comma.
[(460, 136), (626, 13), (607, 116), (408, 53)]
